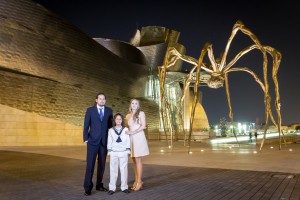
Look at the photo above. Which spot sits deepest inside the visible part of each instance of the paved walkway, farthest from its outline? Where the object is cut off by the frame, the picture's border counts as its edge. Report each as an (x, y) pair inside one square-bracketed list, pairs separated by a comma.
[(222, 171)]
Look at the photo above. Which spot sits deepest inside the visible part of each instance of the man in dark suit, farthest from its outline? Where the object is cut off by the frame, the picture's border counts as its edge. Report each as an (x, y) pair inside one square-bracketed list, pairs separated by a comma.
[(98, 119)]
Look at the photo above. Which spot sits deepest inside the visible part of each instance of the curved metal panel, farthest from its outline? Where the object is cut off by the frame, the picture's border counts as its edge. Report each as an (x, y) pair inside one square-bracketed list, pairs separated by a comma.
[(123, 50)]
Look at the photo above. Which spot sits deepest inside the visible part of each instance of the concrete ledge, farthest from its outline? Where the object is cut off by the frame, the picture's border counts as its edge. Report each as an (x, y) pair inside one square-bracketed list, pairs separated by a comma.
[(287, 138)]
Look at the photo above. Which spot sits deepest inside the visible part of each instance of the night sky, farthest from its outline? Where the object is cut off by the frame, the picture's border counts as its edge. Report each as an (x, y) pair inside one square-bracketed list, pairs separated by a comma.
[(276, 24)]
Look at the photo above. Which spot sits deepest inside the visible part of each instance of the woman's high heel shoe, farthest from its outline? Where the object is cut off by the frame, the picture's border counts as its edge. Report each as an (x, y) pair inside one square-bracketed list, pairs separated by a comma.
[(133, 186), (139, 186)]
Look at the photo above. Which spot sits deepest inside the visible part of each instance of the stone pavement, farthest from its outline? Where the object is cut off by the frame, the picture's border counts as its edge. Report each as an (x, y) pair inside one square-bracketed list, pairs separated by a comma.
[(223, 171)]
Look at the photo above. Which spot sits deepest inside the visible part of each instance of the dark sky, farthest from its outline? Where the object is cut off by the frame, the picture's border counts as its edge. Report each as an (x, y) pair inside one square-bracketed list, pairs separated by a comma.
[(275, 23)]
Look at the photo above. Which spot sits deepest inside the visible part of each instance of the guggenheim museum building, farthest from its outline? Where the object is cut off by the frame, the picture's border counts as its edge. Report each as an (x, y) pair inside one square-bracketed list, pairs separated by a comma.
[(50, 72)]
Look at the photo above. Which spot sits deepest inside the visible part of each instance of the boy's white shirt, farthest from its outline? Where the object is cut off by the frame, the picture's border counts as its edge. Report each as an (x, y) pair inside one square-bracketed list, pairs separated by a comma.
[(113, 146)]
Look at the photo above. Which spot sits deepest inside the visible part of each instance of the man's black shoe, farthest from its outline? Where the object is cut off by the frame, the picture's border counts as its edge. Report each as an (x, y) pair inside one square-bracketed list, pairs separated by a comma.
[(126, 191), (110, 192), (101, 188), (87, 193)]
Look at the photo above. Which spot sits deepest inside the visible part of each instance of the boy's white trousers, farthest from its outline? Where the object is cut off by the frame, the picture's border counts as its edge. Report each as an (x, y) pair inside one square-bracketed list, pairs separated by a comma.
[(118, 159)]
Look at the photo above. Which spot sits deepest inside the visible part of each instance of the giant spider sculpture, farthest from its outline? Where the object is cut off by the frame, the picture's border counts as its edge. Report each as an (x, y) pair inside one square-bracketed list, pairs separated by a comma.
[(218, 70)]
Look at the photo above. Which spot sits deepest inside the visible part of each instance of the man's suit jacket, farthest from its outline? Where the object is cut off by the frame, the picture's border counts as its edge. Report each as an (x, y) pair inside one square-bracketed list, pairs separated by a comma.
[(95, 131)]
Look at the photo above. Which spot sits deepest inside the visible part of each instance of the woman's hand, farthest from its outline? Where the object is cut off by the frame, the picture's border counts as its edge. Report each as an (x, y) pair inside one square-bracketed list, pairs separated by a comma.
[(130, 132)]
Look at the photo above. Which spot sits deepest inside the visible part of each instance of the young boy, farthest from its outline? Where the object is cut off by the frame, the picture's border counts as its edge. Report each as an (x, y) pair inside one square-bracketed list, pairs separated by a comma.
[(118, 147)]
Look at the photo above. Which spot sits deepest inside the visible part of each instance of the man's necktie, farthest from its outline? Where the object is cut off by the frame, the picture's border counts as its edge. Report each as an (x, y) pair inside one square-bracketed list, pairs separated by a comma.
[(101, 113)]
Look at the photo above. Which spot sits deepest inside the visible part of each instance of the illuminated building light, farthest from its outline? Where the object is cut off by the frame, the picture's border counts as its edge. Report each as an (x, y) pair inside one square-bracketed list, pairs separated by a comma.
[(239, 128), (241, 138)]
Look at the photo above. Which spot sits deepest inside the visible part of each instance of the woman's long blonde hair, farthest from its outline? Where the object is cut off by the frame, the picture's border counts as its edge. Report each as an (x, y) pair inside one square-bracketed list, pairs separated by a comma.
[(136, 115)]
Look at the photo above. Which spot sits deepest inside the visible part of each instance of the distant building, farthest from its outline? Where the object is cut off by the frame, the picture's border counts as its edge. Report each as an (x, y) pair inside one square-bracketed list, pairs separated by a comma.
[(294, 126)]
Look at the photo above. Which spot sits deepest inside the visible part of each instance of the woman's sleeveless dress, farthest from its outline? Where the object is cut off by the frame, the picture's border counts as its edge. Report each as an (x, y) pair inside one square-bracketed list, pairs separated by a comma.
[(139, 146)]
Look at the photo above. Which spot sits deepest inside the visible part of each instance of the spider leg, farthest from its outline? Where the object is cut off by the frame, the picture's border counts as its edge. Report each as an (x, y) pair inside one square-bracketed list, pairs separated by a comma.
[(211, 57), (276, 61), (199, 65), (172, 56), (187, 82), (239, 26), (229, 105), (162, 76), (246, 69), (276, 55), (168, 62), (239, 55)]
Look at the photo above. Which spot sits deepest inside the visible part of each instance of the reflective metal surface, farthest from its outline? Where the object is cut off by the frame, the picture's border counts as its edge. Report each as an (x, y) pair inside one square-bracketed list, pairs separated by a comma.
[(49, 67)]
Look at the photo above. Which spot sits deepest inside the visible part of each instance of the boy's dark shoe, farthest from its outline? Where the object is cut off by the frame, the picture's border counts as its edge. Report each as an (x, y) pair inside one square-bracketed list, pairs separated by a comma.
[(110, 192), (126, 191)]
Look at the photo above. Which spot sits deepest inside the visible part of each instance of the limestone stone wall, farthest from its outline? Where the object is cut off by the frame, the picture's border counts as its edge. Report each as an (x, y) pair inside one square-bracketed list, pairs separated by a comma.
[(21, 128)]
